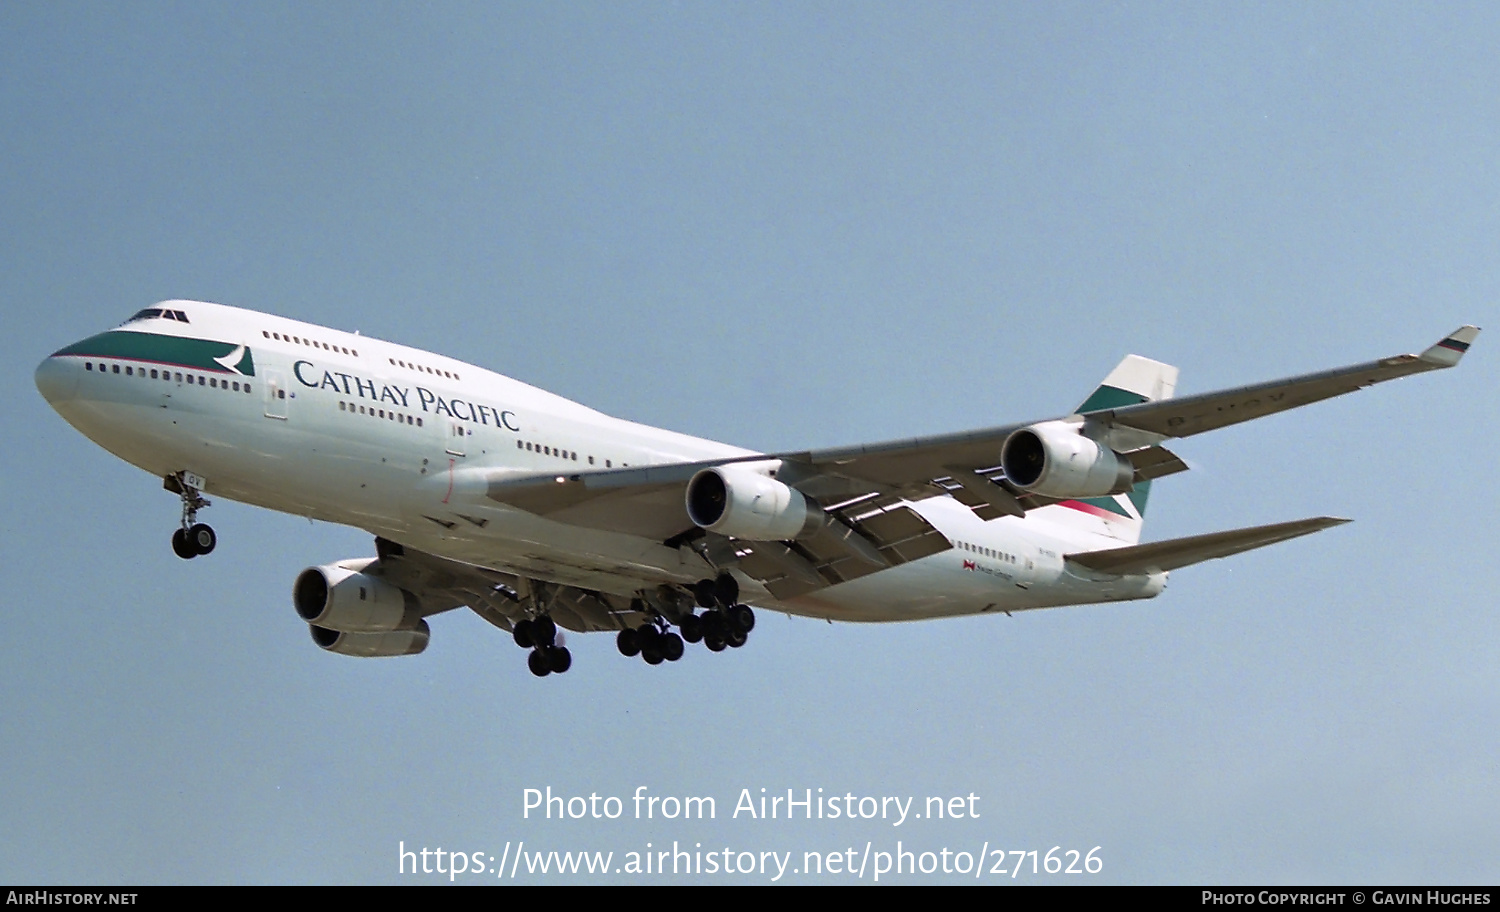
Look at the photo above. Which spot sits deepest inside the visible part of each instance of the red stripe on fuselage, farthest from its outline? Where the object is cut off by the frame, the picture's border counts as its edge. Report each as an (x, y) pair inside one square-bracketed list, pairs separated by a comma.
[(1091, 509)]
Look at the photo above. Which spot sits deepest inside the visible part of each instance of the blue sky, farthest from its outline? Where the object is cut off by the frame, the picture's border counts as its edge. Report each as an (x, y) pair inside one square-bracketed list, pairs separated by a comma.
[(781, 226)]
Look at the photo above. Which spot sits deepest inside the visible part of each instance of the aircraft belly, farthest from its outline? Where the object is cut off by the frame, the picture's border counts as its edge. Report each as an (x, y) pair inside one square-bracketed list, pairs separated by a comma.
[(950, 585)]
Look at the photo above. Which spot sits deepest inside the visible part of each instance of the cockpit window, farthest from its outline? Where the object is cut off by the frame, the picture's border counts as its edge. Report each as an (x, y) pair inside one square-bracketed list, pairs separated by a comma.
[(157, 313)]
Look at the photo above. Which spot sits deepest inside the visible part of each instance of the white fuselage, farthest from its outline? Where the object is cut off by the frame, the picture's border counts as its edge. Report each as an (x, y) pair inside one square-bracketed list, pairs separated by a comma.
[(402, 443)]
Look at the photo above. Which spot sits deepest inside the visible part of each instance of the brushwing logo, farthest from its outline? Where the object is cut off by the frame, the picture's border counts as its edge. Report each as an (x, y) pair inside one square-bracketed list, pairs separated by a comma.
[(234, 360)]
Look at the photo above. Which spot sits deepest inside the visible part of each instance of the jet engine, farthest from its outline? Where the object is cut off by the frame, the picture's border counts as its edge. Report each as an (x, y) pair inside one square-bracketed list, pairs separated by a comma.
[(341, 598), (1054, 459), (370, 645), (744, 501)]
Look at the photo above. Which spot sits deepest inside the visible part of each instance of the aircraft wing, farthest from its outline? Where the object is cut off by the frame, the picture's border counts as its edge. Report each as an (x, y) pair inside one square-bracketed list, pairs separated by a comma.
[(862, 537), (1195, 414), (1182, 552), (862, 488), (911, 463)]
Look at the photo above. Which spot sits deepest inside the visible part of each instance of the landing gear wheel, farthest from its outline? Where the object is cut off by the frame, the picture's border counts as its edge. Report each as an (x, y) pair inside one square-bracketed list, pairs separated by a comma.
[(538, 663), (543, 631), (629, 643), (181, 547), (704, 593), (522, 634), (559, 658), (670, 645), (713, 624), (736, 638), (652, 654), (201, 538), (714, 643), (726, 589), (692, 628), (742, 618)]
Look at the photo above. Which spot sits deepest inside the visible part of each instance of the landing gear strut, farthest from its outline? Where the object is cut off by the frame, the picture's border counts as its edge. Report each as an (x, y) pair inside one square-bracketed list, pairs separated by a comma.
[(192, 538)]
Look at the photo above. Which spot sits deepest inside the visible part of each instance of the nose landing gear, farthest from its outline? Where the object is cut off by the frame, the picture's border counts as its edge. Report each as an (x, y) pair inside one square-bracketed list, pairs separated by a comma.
[(193, 538)]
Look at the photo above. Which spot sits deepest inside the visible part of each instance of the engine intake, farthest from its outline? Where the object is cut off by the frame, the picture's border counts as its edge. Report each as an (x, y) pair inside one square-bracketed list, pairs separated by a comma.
[(339, 597), (1054, 459), (744, 501)]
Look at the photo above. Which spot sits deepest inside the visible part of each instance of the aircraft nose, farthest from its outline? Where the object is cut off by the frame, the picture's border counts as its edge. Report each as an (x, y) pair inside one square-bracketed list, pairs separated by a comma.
[(57, 380)]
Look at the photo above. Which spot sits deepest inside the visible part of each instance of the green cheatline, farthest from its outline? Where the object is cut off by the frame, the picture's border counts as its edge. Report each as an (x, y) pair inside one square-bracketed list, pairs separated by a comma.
[(198, 354)]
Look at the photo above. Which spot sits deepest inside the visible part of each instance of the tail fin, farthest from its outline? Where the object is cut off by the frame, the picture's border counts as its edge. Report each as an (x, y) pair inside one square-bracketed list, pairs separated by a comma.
[(1133, 381), (1120, 516)]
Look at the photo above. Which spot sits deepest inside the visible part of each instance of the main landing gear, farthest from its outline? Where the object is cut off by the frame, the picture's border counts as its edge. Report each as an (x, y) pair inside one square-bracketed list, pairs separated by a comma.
[(725, 624), (539, 634), (193, 538)]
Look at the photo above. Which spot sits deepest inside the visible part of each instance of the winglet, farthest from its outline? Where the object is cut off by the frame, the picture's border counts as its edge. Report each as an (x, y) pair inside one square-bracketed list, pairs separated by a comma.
[(1447, 352)]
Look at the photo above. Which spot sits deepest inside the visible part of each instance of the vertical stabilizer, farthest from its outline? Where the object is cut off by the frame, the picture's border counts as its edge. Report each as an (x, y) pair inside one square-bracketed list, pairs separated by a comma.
[(1133, 380)]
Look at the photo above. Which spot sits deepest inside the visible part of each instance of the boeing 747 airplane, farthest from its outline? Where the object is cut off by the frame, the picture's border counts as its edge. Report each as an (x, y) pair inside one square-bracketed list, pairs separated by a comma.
[(537, 513)]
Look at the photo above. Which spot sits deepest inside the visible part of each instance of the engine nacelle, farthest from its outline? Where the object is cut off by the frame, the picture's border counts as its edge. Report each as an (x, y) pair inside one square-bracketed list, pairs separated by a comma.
[(372, 645), (744, 501), (339, 597), (1055, 460)]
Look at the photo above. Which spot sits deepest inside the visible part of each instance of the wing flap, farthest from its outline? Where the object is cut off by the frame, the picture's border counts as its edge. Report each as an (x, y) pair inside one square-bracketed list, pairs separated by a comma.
[(1155, 462), (790, 569), (1182, 552)]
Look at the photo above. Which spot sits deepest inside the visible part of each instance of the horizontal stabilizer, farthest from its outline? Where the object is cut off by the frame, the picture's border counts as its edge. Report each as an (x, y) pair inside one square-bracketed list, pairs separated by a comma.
[(1181, 552)]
